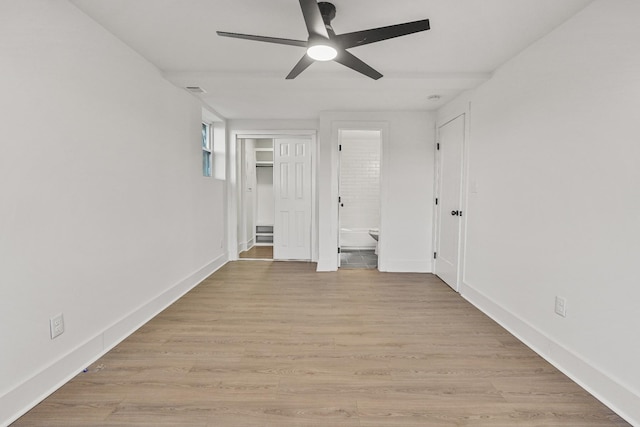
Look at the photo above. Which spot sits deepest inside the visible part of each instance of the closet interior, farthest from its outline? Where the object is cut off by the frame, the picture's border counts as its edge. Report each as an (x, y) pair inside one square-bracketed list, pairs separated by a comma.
[(257, 206), (264, 206)]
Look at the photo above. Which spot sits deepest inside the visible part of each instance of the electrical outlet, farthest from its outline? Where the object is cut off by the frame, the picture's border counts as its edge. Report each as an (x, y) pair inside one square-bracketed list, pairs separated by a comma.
[(561, 306), (57, 325)]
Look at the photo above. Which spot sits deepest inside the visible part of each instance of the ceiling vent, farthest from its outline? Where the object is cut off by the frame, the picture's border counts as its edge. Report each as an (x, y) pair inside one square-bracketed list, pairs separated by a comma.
[(195, 89)]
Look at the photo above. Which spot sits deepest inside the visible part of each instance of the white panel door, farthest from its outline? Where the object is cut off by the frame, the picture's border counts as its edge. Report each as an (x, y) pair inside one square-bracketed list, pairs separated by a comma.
[(292, 188), (449, 209)]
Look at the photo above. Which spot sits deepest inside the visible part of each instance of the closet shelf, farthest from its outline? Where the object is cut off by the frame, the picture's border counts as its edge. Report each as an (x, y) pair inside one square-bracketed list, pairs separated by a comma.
[(264, 157), (264, 234)]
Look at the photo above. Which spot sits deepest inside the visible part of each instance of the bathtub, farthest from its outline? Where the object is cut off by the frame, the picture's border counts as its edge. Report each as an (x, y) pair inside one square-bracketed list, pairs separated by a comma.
[(356, 238)]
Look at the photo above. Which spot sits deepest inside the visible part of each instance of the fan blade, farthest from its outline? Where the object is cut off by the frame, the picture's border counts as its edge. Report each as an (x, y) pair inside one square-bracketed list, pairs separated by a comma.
[(348, 60), (313, 19), (263, 39), (373, 35), (302, 65)]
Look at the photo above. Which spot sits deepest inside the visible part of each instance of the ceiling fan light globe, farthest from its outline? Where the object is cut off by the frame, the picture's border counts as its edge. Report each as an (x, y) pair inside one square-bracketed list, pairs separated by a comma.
[(322, 52)]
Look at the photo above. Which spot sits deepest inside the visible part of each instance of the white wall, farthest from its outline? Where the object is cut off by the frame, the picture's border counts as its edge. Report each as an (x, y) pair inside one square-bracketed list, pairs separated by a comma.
[(273, 125), (553, 153), (406, 181), (265, 197), (105, 215)]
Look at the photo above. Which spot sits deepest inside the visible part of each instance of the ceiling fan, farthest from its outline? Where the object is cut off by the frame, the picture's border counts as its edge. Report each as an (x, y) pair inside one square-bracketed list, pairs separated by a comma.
[(325, 45)]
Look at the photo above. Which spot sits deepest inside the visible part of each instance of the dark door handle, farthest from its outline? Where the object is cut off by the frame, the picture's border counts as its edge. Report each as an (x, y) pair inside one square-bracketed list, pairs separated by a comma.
[(342, 205), (456, 213)]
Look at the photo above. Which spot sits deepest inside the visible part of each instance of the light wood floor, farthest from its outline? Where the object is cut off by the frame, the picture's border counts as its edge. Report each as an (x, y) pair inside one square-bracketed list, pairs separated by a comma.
[(258, 252), (276, 344)]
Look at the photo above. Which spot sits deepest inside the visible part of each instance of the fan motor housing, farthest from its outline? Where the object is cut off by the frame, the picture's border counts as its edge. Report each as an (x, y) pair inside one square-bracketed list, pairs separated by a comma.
[(328, 11)]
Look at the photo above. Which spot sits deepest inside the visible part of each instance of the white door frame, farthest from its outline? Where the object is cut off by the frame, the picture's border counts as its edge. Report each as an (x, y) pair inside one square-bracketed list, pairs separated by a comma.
[(340, 203), (463, 195), (233, 182)]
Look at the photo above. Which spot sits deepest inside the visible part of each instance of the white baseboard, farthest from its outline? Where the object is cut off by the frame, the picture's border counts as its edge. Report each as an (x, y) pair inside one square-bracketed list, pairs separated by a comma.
[(21, 399), (327, 263), (620, 399), (392, 266), (357, 248), (405, 266)]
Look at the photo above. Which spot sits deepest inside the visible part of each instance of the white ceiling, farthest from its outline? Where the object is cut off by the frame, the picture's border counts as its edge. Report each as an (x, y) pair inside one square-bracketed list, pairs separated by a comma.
[(468, 40)]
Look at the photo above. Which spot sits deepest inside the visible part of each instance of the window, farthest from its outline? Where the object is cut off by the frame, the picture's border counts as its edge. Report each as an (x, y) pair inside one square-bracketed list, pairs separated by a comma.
[(206, 149), (214, 140)]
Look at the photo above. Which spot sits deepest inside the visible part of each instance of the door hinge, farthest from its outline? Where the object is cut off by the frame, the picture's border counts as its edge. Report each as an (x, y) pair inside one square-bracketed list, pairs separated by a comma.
[(339, 199), (438, 146), (340, 147), (435, 254), (338, 250), (436, 201)]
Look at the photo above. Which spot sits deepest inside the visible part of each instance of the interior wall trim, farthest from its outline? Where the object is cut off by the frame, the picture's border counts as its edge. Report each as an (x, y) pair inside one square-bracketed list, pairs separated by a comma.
[(408, 266)]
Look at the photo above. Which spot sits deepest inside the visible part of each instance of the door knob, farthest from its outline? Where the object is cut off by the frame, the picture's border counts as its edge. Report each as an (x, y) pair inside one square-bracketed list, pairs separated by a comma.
[(456, 213)]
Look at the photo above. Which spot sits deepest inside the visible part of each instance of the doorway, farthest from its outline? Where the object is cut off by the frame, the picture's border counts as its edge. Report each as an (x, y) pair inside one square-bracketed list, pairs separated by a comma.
[(274, 198), (359, 200), (256, 199), (449, 199)]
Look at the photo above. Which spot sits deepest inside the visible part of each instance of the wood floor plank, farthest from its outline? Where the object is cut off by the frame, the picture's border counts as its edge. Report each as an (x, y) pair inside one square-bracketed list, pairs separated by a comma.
[(277, 344), (258, 252)]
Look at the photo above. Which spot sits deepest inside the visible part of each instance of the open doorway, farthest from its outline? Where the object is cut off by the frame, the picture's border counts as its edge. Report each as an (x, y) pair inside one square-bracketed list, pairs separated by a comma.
[(256, 198), (274, 197), (359, 209)]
